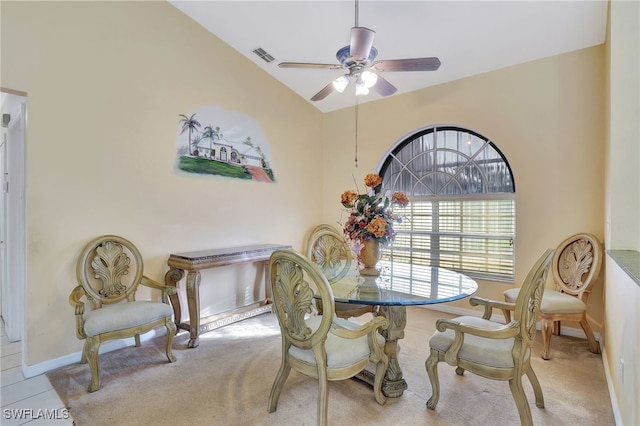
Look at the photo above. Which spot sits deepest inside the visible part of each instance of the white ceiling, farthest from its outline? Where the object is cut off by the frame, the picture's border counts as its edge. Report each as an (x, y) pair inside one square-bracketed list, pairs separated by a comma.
[(469, 37)]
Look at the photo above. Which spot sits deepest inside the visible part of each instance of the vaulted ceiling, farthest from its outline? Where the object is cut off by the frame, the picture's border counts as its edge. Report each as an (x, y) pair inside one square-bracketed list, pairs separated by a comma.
[(469, 37)]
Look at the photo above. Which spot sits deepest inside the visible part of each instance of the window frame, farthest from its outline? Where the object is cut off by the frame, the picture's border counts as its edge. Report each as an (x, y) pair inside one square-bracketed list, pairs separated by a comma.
[(435, 255)]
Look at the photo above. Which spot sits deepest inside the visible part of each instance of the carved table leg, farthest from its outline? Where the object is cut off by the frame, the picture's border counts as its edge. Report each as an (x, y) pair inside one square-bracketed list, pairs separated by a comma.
[(171, 279), (393, 384), (193, 299)]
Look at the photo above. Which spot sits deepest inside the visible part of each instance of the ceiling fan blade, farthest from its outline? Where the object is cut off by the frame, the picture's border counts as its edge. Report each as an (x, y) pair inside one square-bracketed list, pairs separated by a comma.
[(361, 43), (415, 64), (309, 65), (383, 87), (323, 93)]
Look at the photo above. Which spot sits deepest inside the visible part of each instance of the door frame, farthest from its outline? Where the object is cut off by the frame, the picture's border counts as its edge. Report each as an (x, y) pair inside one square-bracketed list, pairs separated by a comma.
[(12, 207)]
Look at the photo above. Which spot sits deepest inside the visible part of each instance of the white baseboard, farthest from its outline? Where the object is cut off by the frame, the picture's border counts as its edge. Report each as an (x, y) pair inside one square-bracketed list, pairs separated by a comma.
[(41, 368), (612, 393)]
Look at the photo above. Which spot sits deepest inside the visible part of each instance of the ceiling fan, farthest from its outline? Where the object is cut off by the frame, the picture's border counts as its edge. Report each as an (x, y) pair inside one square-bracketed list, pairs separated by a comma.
[(358, 59)]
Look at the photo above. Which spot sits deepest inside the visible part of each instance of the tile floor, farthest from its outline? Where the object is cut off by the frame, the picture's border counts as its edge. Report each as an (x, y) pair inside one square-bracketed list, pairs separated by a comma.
[(26, 401)]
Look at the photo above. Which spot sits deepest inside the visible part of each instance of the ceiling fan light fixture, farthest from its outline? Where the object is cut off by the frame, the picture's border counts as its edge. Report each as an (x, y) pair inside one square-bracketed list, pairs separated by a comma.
[(369, 78), (341, 83), (361, 88)]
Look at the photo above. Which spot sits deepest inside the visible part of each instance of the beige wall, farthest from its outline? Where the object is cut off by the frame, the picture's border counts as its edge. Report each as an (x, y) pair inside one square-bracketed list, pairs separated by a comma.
[(623, 162), (105, 83), (622, 200), (547, 117)]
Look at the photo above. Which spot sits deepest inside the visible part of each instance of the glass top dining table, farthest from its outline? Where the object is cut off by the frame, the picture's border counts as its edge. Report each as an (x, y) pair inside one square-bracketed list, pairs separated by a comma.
[(391, 295), (432, 285)]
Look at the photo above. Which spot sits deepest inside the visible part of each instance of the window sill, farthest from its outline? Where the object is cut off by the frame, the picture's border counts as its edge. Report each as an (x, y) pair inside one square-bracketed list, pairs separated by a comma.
[(629, 261)]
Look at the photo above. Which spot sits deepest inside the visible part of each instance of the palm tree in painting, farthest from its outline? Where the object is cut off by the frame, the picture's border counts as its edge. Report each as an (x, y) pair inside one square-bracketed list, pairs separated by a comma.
[(213, 135), (196, 140), (190, 124)]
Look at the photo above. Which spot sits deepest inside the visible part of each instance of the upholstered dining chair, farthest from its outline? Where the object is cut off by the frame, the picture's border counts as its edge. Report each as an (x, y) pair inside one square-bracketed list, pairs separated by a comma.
[(324, 347), (576, 267), (331, 253), (491, 349), (109, 272)]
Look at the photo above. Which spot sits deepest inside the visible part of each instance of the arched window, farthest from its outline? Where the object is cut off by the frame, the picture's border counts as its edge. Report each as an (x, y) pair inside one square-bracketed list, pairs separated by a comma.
[(462, 210)]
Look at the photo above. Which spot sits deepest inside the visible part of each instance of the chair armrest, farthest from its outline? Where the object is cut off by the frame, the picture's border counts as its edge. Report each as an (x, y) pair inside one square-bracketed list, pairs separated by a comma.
[(75, 300), (370, 329), (352, 333), (489, 305), (451, 356), (166, 290)]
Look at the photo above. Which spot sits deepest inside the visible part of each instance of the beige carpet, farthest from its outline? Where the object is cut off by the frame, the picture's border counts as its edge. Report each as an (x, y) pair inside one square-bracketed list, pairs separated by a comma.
[(227, 380)]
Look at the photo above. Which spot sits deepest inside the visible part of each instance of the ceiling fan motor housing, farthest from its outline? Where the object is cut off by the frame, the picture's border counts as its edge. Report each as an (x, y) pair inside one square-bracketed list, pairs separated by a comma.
[(344, 57)]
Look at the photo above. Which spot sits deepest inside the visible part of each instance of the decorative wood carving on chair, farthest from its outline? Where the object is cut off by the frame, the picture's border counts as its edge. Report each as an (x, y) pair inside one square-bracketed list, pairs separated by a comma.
[(108, 291), (576, 267), (491, 349), (331, 253), (324, 347)]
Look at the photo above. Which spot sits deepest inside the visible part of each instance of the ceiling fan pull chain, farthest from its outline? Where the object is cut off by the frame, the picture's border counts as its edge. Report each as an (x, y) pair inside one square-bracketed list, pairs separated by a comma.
[(356, 157)]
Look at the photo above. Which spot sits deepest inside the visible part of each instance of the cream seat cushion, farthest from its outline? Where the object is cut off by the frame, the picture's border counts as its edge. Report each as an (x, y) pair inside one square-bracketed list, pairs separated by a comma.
[(340, 352), (479, 350), (554, 301), (120, 316)]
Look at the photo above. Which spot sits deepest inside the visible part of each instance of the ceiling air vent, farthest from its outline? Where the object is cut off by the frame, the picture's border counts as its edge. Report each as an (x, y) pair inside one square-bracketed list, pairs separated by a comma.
[(263, 54)]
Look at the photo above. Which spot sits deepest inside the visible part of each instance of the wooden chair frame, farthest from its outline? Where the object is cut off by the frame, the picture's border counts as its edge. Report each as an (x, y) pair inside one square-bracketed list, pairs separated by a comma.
[(576, 267), (295, 283), (331, 253), (100, 270), (521, 330)]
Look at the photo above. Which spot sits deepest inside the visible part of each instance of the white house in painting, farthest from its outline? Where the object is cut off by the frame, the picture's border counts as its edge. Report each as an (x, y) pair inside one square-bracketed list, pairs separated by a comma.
[(238, 153)]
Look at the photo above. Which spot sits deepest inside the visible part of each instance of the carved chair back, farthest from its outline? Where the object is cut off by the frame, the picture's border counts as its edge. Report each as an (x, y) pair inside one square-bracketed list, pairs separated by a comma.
[(528, 304), (330, 252), (294, 283), (109, 270), (576, 264)]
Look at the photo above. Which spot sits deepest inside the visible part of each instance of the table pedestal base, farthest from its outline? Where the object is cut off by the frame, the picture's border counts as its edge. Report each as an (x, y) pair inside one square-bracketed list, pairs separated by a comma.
[(393, 384), (390, 388)]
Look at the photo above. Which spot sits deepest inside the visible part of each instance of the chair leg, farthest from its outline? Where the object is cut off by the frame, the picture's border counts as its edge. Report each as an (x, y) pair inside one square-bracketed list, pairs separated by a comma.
[(278, 384), (91, 348), (137, 338), (537, 390), (521, 401), (381, 369), (547, 327), (507, 315), (323, 397), (171, 332), (83, 358), (432, 371), (557, 328), (593, 343)]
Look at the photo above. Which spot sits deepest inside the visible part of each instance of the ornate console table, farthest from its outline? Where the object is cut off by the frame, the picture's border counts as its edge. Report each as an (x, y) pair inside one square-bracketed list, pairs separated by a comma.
[(193, 262)]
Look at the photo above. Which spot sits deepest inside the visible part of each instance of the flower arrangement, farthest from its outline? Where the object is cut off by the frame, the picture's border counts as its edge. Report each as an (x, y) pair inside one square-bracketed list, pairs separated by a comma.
[(370, 215)]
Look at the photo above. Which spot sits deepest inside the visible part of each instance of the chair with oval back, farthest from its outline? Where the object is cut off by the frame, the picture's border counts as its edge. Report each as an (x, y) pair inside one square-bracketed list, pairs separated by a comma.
[(331, 253), (491, 349), (105, 300), (576, 267), (320, 346)]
